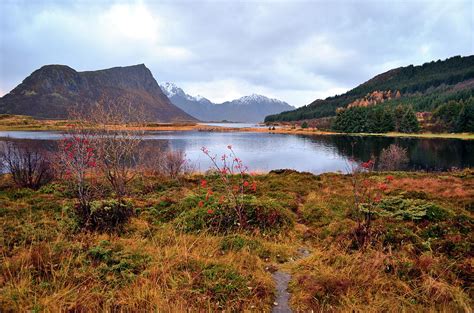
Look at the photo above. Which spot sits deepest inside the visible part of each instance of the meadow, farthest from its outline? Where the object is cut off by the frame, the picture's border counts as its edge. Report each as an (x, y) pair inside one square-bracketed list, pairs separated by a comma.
[(185, 247)]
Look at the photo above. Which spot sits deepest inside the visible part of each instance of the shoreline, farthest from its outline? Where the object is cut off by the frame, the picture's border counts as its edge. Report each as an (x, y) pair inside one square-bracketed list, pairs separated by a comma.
[(20, 123)]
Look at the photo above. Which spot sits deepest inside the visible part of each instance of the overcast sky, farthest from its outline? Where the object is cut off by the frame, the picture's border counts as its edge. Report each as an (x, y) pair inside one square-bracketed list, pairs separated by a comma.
[(296, 51)]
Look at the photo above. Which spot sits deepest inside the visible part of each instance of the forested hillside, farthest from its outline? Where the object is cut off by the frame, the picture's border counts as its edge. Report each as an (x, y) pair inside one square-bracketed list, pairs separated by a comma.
[(423, 87)]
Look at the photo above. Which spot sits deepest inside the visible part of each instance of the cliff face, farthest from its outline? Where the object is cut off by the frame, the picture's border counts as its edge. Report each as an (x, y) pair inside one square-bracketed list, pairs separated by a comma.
[(52, 90)]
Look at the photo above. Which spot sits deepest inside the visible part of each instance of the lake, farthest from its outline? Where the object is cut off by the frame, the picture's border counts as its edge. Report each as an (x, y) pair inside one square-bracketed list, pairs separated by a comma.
[(312, 153), (235, 125)]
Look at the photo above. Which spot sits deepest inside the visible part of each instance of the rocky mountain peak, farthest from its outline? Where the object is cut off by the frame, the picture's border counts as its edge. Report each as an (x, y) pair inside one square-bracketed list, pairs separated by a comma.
[(51, 90)]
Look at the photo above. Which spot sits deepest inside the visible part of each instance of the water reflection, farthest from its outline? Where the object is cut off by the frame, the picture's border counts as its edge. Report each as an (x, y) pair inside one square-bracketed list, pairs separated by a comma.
[(317, 154)]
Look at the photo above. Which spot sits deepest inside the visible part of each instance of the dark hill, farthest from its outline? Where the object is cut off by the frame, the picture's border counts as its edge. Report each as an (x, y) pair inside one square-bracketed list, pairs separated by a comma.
[(424, 87), (52, 90)]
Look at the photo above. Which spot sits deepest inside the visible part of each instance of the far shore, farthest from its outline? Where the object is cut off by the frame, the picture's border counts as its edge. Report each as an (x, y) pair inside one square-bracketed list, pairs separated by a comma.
[(26, 123)]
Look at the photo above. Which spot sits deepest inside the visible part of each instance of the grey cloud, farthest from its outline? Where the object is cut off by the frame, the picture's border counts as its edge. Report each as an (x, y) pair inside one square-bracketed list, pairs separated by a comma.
[(295, 50)]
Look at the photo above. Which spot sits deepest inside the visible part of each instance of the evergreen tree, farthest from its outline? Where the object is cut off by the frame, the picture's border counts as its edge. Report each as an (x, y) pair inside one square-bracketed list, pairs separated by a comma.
[(446, 115), (398, 116), (465, 120), (409, 122)]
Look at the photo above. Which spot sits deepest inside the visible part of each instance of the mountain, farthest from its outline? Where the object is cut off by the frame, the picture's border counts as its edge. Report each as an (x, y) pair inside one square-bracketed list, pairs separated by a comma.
[(425, 87), (52, 90), (251, 108)]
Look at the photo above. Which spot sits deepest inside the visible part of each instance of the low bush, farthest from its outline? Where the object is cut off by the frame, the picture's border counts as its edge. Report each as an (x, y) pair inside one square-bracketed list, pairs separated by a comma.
[(264, 215), (411, 209), (29, 166), (393, 158), (162, 212), (104, 215), (114, 263)]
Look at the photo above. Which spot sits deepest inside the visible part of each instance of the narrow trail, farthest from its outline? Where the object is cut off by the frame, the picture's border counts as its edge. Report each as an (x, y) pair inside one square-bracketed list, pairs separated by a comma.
[(281, 304), (282, 279)]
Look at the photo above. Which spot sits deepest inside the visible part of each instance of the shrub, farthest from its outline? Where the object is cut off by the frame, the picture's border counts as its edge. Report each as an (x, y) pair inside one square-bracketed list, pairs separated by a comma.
[(163, 162), (105, 215), (29, 166), (164, 211), (265, 215), (233, 175), (393, 158), (304, 125), (77, 157), (174, 163), (367, 194), (411, 209)]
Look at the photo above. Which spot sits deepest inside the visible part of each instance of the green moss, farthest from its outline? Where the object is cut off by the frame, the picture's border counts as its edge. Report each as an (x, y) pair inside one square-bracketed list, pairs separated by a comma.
[(114, 263), (220, 282)]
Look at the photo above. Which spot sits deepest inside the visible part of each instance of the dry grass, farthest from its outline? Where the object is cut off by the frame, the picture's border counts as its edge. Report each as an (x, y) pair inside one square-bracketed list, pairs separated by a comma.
[(48, 265)]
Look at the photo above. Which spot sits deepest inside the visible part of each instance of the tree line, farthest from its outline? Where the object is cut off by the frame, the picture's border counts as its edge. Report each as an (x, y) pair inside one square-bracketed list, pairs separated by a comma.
[(434, 80), (376, 119), (456, 116)]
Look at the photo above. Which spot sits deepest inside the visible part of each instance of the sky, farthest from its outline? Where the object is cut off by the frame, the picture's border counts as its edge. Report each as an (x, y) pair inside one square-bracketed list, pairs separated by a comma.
[(296, 51)]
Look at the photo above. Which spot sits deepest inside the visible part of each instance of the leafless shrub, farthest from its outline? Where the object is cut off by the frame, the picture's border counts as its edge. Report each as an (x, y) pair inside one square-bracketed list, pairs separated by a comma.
[(164, 162), (119, 133), (174, 163), (29, 166), (393, 158)]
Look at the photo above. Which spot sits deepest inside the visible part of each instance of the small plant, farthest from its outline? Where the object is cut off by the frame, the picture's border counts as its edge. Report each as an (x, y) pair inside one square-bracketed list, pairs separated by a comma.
[(237, 183), (106, 215), (77, 158), (367, 195), (29, 167), (304, 125)]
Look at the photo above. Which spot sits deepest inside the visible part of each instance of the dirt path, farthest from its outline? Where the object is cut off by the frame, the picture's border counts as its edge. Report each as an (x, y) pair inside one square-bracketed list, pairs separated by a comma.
[(283, 296), (282, 279)]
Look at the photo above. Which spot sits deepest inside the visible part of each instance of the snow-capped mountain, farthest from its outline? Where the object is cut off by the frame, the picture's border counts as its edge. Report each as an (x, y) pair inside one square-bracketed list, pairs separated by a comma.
[(171, 90), (251, 108)]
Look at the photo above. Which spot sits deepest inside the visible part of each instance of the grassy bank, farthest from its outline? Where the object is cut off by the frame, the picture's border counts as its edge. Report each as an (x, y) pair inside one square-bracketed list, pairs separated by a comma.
[(178, 255), (308, 131)]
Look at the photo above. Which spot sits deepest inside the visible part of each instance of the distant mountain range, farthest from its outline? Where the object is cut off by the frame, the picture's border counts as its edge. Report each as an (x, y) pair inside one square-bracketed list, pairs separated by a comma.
[(424, 87), (251, 108), (52, 90)]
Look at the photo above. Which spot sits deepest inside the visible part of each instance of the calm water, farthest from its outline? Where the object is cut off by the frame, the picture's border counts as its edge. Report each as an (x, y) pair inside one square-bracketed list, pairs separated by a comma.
[(317, 154), (235, 125)]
